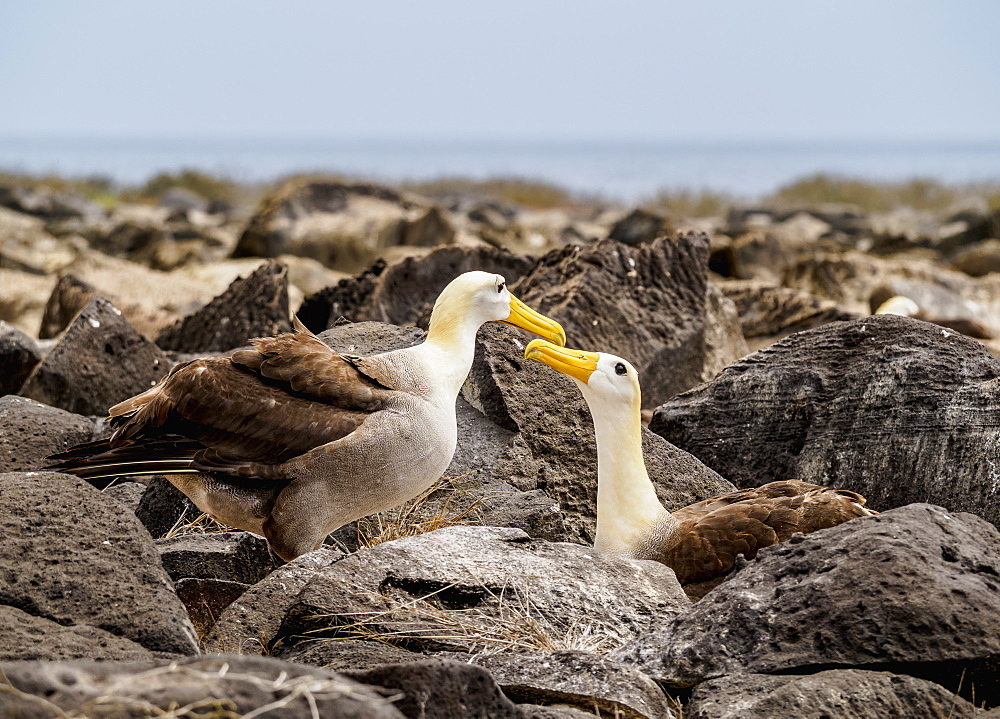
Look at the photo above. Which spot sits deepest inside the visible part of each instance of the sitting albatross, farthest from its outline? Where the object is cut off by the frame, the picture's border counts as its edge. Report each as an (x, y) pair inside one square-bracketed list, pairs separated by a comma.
[(291, 440), (699, 542)]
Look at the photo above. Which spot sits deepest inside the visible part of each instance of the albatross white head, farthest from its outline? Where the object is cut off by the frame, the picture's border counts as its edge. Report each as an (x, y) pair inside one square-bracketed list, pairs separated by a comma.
[(466, 304), (627, 505)]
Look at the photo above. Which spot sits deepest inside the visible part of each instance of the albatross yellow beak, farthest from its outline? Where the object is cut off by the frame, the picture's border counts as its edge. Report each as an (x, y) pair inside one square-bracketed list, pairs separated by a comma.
[(527, 319), (576, 363)]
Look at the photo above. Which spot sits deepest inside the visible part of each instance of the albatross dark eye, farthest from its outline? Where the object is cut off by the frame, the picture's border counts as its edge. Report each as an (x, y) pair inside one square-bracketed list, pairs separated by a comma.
[(500, 287), (620, 368)]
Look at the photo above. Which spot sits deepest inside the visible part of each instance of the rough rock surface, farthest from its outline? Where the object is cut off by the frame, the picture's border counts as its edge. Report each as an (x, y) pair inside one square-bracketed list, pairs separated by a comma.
[(343, 226), (442, 689), (841, 693), (231, 684), (886, 406), (555, 449), (581, 679), (915, 590), (26, 637), (31, 431), (768, 313), (404, 292), (99, 361), (232, 556), (346, 654), (494, 579), (71, 294), (19, 354), (250, 624), (76, 557), (646, 304), (256, 306), (206, 599), (162, 505), (638, 227)]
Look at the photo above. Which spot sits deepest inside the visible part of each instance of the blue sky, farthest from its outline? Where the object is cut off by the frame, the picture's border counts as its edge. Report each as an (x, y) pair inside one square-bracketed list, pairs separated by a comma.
[(516, 70)]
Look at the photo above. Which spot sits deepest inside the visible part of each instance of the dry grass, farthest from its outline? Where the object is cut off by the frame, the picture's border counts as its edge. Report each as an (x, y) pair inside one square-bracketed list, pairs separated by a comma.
[(421, 515), (509, 622), (202, 524), (690, 203), (920, 194), (308, 688), (536, 194)]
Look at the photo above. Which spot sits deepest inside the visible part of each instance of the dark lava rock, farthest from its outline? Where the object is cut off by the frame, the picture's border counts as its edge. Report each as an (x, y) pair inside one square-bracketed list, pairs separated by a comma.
[(768, 313), (19, 354), (31, 431), (582, 679), (206, 599), (214, 686), (100, 361), (555, 449), (76, 557), (256, 306), (128, 493), (441, 689), (342, 655), (646, 304), (162, 506), (405, 588), (368, 338), (71, 294), (841, 693), (26, 637), (47, 204), (250, 624), (640, 226), (231, 556), (404, 292), (886, 406), (915, 591)]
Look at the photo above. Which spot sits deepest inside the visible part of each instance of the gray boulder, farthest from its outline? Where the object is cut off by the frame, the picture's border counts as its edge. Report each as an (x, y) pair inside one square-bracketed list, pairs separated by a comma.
[(230, 556), (914, 591), (346, 654), (74, 556), (841, 693), (99, 361), (472, 588), (647, 304), (580, 679), (229, 685), (71, 294), (255, 306), (31, 431), (894, 408), (19, 354), (26, 637)]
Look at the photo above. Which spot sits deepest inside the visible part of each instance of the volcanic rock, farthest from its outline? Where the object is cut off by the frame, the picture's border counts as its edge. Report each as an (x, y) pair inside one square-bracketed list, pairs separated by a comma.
[(76, 557), (232, 685), (253, 307), (894, 408), (26, 637), (915, 591), (647, 304), (230, 556), (31, 431), (99, 361), (19, 354), (834, 693), (404, 292), (638, 227), (460, 588)]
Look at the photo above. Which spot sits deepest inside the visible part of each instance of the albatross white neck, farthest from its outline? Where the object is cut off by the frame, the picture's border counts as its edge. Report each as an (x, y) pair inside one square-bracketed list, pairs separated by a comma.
[(627, 505)]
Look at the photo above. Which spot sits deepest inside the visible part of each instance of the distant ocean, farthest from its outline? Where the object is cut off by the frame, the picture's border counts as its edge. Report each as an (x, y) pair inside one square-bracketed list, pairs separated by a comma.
[(616, 171)]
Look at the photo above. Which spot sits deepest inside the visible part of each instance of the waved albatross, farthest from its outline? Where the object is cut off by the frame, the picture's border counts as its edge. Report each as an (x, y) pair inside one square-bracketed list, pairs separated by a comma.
[(699, 542), (291, 440)]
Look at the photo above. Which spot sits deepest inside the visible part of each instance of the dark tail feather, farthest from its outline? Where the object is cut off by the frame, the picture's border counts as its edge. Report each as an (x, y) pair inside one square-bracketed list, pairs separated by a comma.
[(97, 461)]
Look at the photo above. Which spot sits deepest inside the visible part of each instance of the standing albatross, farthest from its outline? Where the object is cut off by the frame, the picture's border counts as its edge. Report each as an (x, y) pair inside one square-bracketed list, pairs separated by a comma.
[(699, 542), (291, 440)]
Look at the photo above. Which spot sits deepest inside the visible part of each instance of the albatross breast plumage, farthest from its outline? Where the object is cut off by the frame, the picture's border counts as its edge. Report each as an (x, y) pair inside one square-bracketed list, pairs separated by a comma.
[(291, 440), (701, 541)]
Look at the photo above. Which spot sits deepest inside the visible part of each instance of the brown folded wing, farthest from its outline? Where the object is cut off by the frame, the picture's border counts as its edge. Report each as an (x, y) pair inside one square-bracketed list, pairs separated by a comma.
[(714, 532), (286, 396)]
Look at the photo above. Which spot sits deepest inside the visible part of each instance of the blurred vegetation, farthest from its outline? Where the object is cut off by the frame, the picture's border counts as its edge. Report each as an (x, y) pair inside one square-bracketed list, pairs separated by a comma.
[(690, 203), (205, 186), (869, 196), (535, 194)]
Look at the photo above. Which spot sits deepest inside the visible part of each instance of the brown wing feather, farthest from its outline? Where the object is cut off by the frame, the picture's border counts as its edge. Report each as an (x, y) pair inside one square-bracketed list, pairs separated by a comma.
[(263, 406), (715, 531)]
